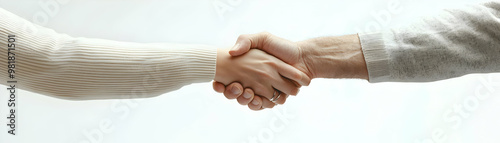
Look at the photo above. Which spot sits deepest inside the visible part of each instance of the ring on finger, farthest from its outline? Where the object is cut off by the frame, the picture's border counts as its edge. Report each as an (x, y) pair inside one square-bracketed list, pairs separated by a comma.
[(275, 97)]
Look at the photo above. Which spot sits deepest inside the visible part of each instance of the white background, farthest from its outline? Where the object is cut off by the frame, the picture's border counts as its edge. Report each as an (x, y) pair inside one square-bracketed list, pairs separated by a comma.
[(329, 110)]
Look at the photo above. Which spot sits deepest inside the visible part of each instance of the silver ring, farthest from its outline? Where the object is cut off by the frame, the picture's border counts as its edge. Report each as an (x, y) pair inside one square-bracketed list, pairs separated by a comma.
[(274, 95), (273, 99)]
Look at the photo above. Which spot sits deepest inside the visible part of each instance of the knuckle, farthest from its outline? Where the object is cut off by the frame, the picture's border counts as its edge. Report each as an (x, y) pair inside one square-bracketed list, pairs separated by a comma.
[(294, 91), (242, 37), (265, 33), (271, 63), (297, 75)]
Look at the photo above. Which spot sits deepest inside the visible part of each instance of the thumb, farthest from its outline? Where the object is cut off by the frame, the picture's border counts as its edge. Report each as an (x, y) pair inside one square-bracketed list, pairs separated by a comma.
[(238, 49), (247, 41)]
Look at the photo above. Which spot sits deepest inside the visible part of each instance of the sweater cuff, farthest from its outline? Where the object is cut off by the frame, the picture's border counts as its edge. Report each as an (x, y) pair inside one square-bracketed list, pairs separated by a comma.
[(199, 63), (376, 56)]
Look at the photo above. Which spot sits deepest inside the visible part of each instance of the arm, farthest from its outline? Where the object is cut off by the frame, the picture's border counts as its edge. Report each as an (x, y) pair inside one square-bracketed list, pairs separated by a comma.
[(83, 68), (66, 67), (455, 43)]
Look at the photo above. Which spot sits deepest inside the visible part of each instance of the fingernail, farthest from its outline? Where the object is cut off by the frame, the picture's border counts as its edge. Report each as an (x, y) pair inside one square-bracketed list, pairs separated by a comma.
[(235, 47), (247, 95), (235, 90), (255, 102)]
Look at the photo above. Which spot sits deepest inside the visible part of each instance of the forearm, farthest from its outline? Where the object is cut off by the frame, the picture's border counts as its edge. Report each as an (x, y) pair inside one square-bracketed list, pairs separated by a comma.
[(83, 68), (334, 57)]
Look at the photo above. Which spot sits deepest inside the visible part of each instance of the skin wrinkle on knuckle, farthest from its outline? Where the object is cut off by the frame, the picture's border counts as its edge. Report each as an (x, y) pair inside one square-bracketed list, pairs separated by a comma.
[(272, 62), (265, 40), (268, 44)]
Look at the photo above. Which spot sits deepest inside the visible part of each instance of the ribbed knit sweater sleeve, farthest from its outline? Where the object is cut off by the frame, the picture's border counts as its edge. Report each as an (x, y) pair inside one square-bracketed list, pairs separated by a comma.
[(67, 67), (454, 43)]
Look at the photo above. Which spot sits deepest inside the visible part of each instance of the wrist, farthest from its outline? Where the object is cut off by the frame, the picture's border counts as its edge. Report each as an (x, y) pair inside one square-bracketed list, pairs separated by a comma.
[(334, 57), (221, 64)]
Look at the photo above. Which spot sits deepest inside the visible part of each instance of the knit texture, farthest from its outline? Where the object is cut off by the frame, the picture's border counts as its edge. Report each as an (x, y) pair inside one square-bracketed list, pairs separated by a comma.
[(66, 67), (452, 44)]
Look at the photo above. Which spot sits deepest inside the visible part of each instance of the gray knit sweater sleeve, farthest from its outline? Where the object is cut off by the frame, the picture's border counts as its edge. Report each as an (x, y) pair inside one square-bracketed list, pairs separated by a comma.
[(455, 43)]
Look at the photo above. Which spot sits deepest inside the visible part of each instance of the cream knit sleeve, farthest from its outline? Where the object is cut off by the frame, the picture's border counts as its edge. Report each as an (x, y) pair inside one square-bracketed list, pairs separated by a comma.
[(83, 68), (455, 43)]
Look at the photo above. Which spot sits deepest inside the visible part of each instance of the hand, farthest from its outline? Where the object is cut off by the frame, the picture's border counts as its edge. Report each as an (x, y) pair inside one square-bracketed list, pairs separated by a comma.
[(324, 57), (288, 51), (262, 72), (283, 49)]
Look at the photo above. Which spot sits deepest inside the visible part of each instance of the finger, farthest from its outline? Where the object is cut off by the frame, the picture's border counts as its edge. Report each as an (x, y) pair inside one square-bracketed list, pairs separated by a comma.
[(294, 74), (233, 90), (266, 92), (219, 87), (285, 85), (282, 99), (247, 97), (296, 83), (256, 103), (247, 41), (267, 104)]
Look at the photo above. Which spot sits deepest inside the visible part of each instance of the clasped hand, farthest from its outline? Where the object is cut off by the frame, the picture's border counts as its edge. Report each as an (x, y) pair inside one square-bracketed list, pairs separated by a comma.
[(254, 77)]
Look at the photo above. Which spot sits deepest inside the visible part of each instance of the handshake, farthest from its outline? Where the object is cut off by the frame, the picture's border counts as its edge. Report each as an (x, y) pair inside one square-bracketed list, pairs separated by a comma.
[(262, 70)]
